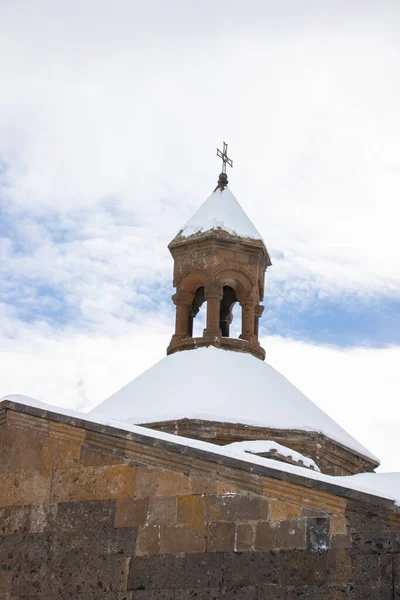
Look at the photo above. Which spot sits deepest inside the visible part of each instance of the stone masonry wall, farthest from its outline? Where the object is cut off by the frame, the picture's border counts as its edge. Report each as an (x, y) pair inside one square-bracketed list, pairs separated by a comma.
[(88, 515)]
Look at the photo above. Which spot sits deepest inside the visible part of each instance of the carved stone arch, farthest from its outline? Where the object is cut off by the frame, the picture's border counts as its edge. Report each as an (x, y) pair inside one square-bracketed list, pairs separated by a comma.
[(194, 280), (240, 281)]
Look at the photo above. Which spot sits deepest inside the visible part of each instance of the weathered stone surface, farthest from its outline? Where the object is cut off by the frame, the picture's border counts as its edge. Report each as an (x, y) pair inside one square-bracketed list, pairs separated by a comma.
[(191, 509), (245, 536), (152, 573), (221, 508), (162, 510), (131, 512), (279, 511), (6, 489), (221, 537), (60, 453), (172, 484), (93, 483), (148, 543), (183, 538), (32, 487), (79, 516)]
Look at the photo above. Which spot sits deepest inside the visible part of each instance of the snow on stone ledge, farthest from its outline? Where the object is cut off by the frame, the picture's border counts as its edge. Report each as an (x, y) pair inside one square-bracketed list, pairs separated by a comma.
[(265, 446), (221, 211), (384, 485)]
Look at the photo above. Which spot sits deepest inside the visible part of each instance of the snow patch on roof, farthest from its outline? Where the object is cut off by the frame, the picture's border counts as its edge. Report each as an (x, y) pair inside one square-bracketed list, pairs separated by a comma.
[(378, 484), (224, 386), (384, 485), (264, 446), (221, 211)]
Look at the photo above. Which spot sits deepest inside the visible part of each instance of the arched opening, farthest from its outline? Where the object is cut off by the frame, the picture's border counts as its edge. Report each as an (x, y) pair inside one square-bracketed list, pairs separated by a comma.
[(197, 317), (229, 311)]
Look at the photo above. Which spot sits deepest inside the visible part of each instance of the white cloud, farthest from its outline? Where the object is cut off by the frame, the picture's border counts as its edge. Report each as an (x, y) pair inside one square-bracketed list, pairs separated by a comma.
[(109, 118), (126, 105)]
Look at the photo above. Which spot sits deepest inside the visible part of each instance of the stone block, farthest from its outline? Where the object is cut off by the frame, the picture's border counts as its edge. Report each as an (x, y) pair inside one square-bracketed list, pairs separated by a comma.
[(75, 484), (96, 457), (221, 508), (78, 516), (8, 443), (74, 577), (69, 546), (5, 582), (7, 489), (115, 481), (145, 482), (157, 573), (289, 534), (131, 512), (201, 485), (252, 508), (372, 591), (280, 511), (191, 509), (365, 568), (170, 484), (14, 520), (364, 518), (376, 543), (340, 540), (264, 536), (221, 537), (318, 533), (249, 568), (32, 487), (204, 570), (338, 524), (148, 542), (93, 483), (42, 517), (28, 450), (60, 454), (162, 510), (245, 536), (187, 538)]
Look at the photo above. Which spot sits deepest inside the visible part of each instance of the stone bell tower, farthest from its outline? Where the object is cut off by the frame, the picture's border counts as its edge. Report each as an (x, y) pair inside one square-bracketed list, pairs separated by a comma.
[(221, 259)]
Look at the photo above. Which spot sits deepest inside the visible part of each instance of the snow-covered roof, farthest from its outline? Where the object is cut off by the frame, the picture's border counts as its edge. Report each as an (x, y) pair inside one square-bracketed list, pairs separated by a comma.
[(220, 385), (384, 485), (221, 211)]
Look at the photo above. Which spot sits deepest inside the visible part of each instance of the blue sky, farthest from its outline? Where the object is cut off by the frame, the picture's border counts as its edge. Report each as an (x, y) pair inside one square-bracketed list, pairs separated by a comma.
[(107, 147)]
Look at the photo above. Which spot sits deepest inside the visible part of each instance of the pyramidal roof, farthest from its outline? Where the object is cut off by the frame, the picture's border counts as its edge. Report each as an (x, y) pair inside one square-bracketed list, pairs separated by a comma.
[(221, 211), (253, 394)]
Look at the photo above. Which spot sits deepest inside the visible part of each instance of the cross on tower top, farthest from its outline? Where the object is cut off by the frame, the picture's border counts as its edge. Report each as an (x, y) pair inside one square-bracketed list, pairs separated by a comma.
[(223, 178), (224, 157)]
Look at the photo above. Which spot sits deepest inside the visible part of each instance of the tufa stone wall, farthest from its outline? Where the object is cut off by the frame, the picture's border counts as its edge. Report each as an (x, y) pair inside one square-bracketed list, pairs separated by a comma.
[(88, 512)]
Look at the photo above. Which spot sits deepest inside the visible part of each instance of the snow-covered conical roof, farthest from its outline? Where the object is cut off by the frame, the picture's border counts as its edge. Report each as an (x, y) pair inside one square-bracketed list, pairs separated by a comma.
[(217, 385), (221, 211)]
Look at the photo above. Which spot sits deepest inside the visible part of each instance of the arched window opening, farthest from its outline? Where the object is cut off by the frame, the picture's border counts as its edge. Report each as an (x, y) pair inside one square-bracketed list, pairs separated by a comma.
[(236, 328), (197, 317), (228, 302)]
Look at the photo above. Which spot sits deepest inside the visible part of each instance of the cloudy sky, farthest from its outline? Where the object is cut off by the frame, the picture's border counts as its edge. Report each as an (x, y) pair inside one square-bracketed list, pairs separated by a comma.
[(110, 115)]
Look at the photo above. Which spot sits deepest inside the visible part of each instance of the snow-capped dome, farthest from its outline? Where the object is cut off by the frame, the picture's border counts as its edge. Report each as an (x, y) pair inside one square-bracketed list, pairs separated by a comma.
[(221, 211), (223, 386)]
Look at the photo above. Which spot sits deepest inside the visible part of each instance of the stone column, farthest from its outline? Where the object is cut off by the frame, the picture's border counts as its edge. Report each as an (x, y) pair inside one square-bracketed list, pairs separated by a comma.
[(213, 295), (258, 311), (182, 301), (248, 316)]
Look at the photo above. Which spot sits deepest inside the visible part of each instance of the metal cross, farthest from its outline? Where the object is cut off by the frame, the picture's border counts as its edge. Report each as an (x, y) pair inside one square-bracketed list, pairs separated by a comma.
[(224, 157)]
